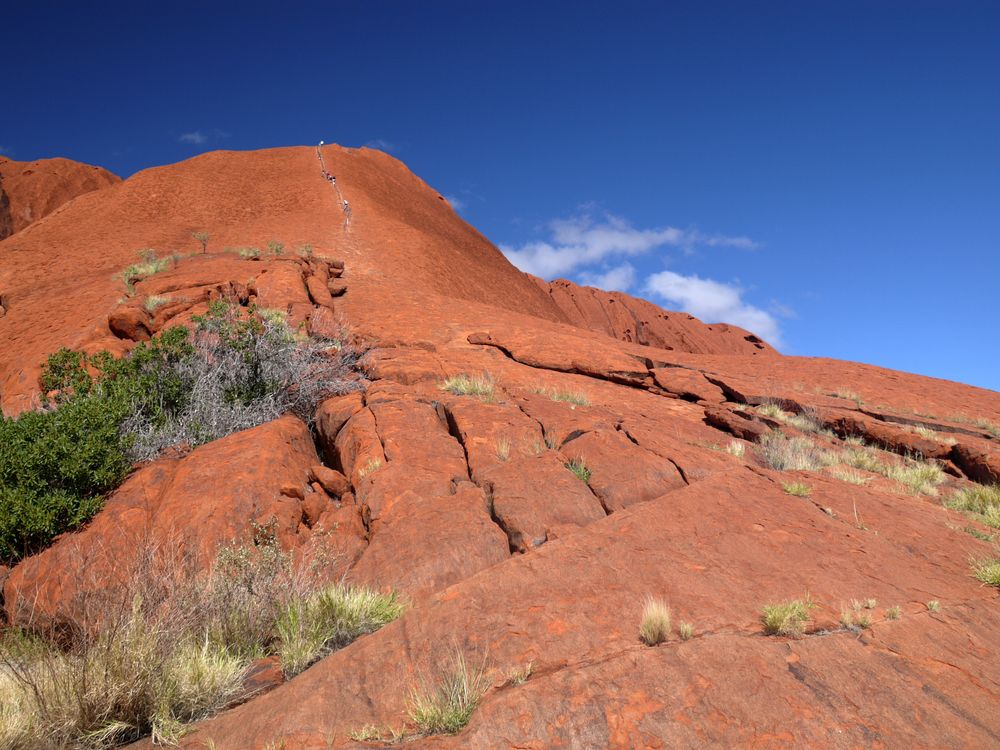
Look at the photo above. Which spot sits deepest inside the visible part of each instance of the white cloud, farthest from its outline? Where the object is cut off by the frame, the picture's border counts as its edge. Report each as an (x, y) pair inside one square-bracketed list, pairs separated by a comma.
[(582, 241), (196, 137), (617, 279), (382, 145), (713, 302), (455, 202)]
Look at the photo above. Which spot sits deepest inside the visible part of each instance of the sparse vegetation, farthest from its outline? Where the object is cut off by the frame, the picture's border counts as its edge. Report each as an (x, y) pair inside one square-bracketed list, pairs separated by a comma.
[(933, 606), (570, 397), (502, 444), (987, 570), (850, 476), (981, 501), (446, 706), (154, 303), (655, 625), (848, 396), (171, 646), (736, 448), (930, 434), (275, 248), (918, 475), (806, 422), (203, 238), (249, 252), (579, 469), (306, 251), (483, 386), (685, 630), (520, 675), (792, 454), (310, 627), (894, 612), (799, 489), (373, 465), (786, 618), (148, 265)]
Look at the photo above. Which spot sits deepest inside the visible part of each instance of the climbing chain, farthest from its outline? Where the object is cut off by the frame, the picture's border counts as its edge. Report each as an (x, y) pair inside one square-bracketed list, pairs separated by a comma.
[(333, 181)]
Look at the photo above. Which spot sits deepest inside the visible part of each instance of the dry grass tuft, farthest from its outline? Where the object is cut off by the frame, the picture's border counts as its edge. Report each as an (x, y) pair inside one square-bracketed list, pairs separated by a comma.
[(982, 501), (482, 386), (798, 489), (446, 706), (787, 618), (792, 454), (655, 625)]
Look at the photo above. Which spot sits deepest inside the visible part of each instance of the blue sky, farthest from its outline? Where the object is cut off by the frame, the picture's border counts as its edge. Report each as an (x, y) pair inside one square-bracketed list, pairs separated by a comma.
[(827, 174)]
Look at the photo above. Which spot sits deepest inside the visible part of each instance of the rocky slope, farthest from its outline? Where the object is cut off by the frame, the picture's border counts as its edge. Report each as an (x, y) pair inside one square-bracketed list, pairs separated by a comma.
[(30, 191), (632, 319), (466, 506)]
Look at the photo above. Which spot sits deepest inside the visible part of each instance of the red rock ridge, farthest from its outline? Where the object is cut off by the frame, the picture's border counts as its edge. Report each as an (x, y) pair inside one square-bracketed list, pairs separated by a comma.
[(30, 191), (639, 321)]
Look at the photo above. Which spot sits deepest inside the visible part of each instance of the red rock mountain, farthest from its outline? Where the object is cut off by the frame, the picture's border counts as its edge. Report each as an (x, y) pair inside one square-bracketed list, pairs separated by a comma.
[(472, 514), (30, 191)]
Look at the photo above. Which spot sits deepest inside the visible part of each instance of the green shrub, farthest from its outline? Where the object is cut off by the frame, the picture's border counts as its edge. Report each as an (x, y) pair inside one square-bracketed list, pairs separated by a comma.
[(579, 469), (103, 414)]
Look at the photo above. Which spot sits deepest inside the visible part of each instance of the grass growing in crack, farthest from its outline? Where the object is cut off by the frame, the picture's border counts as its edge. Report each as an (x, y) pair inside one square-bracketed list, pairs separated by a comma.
[(929, 434), (154, 303), (805, 422), (987, 570), (520, 675), (685, 630), (736, 448), (371, 467), (786, 618), (249, 252), (792, 454), (654, 628), (799, 489), (933, 606), (982, 501), (502, 444), (570, 397), (579, 469), (984, 424), (483, 386), (446, 706), (311, 627)]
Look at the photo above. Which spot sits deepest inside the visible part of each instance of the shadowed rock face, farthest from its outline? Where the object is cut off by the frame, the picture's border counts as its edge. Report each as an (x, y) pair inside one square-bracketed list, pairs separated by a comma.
[(466, 505), (30, 191)]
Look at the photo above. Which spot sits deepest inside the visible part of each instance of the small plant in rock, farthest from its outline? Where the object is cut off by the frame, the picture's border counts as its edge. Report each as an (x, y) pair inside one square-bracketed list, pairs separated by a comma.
[(445, 706), (154, 303), (371, 467), (503, 447), (987, 570), (786, 618), (203, 238), (933, 606), (579, 469), (917, 475), (654, 628), (149, 265), (798, 489), (570, 397), (520, 675), (482, 386), (685, 630), (249, 252), (894, 612), (792, 454), (306, 251), (736, 448), (275, 248)]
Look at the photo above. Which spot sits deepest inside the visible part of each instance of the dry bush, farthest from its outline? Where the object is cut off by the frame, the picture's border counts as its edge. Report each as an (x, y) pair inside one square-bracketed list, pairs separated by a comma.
[(445, 706), (655, 625), (163, 646), (792, 454)]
